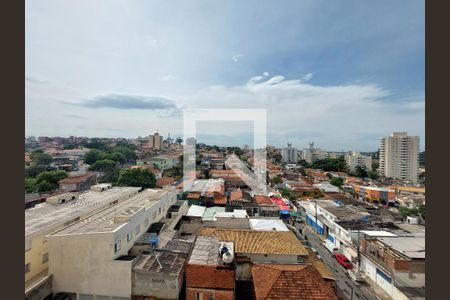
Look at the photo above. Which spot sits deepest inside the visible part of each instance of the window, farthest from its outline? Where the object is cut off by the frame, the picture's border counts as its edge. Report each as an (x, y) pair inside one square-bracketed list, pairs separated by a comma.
[(159, 210), (129, 236), (117, 246), (138, 229), (199, 296), (45, 258), (27, 268)]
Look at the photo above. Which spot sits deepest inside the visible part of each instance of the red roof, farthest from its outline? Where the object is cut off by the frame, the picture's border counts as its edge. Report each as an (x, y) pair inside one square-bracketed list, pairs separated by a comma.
[(220, 199), (209, 277), (280, 203), (193, 196), (262, 199), (304, 282), (77, 179), (235, 195), (164, 181)]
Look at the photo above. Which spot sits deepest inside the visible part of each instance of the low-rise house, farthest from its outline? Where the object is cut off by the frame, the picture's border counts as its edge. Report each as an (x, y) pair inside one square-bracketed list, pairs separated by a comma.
[(78, 183), (283, 282), (210, 273), (327, 187), (261, 246), (265, 206), (164, 181)]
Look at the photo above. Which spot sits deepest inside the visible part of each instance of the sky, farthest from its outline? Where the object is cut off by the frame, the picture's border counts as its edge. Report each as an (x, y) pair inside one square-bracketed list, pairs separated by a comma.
[(339, 73)]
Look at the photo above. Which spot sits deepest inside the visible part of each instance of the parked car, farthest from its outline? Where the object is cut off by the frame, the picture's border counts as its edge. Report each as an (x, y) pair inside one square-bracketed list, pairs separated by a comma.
[(343, 260)]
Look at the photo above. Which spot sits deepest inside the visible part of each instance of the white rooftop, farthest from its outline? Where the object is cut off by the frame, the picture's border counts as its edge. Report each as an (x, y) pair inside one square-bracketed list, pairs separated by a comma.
[(115, 216), (412, 247), (196, 211), (46, 217), (379, 233), (237, 213), (268, 225)]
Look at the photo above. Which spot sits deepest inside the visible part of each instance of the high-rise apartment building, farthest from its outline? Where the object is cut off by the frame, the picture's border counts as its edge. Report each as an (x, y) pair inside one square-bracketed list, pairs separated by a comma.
[(155, 141), (312, 154), (399, 156), (354, 159), (289, 154)]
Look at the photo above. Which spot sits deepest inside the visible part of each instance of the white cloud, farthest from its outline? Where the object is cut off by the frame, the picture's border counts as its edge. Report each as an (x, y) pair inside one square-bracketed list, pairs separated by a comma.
[(236, 57), (307, 77), (167, 77)]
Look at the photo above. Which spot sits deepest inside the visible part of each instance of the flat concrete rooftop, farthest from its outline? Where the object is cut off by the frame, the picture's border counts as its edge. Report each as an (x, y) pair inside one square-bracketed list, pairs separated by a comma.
[(115, 216), (43, 217)]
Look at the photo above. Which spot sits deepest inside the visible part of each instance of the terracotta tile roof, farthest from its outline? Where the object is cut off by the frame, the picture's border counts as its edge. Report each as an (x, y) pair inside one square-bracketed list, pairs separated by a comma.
[(220, 199), (236, 195), (262, 242), (209, 277), (151, 168), (77, 179), (262, 199), (290, 282), (193, 196), (164, 181)]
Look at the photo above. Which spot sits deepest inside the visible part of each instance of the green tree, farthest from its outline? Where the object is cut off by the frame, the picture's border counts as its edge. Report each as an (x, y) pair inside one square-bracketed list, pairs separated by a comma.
[(92, 156), (137, 177), (103, 165), (178, 140), (48, 180), (45, 186), (372, 175), (38, 157), (277, 157), (361, 172), (276, 180), (337, 181), (330, 164), (375, 166), (34, 170), (31, 185)]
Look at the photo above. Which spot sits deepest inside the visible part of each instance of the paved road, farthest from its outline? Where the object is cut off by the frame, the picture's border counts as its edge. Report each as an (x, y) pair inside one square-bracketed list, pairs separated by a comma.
[(343, 281), (82, 169)]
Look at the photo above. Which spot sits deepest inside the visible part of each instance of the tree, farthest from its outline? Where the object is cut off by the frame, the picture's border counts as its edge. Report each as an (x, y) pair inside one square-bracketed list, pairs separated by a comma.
[(137, 177), (337, 181), (48, 181), (69, 146), (276, 180), (40, 158), (92, 156), (361, 172), (277, 157), (34, 170), (30, 185), (103, 165), (373, 175), (178, 140), (375, 166)]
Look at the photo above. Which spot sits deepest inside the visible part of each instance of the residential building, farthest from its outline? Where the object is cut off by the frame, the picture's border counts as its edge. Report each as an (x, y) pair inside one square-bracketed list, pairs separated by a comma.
[(284, 282), (78, 183), (210, 273), (399, 157), (374, 194), (312, 154), (261, 246), (155, 141), (57, 213), (91, 259), (162, 162), (354, 159), (289, 154)]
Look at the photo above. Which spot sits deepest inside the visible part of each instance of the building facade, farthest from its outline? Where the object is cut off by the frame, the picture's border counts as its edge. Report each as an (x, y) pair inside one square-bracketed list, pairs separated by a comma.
[(289, 154), (399, 157), (155, 141), (354, 159)]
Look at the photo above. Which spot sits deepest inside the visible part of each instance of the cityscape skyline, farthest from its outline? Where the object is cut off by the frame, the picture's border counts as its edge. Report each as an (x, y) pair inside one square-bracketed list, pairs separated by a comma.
[(126, 69)]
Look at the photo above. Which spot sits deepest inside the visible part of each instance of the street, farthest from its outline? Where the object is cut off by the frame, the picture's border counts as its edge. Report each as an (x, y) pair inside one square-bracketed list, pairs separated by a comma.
[(349, 289)]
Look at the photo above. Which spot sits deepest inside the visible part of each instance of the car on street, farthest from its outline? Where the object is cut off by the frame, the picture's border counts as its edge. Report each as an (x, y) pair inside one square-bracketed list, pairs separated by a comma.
[(343, 260)]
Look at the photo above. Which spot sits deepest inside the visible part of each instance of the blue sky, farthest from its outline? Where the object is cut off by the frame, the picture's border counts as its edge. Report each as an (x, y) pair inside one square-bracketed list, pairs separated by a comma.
[(340, 73)]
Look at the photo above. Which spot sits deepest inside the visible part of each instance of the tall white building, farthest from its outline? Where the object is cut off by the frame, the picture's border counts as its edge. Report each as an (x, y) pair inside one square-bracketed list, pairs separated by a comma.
[(289, 154), (155, 141), (312, 154), (354, 159), (399, 156)]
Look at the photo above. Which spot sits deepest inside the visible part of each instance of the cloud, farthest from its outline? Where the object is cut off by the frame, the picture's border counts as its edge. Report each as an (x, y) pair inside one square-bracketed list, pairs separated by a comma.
[(128, 102), (236, 57), (306, 77), (34, 79), (167, 77)]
